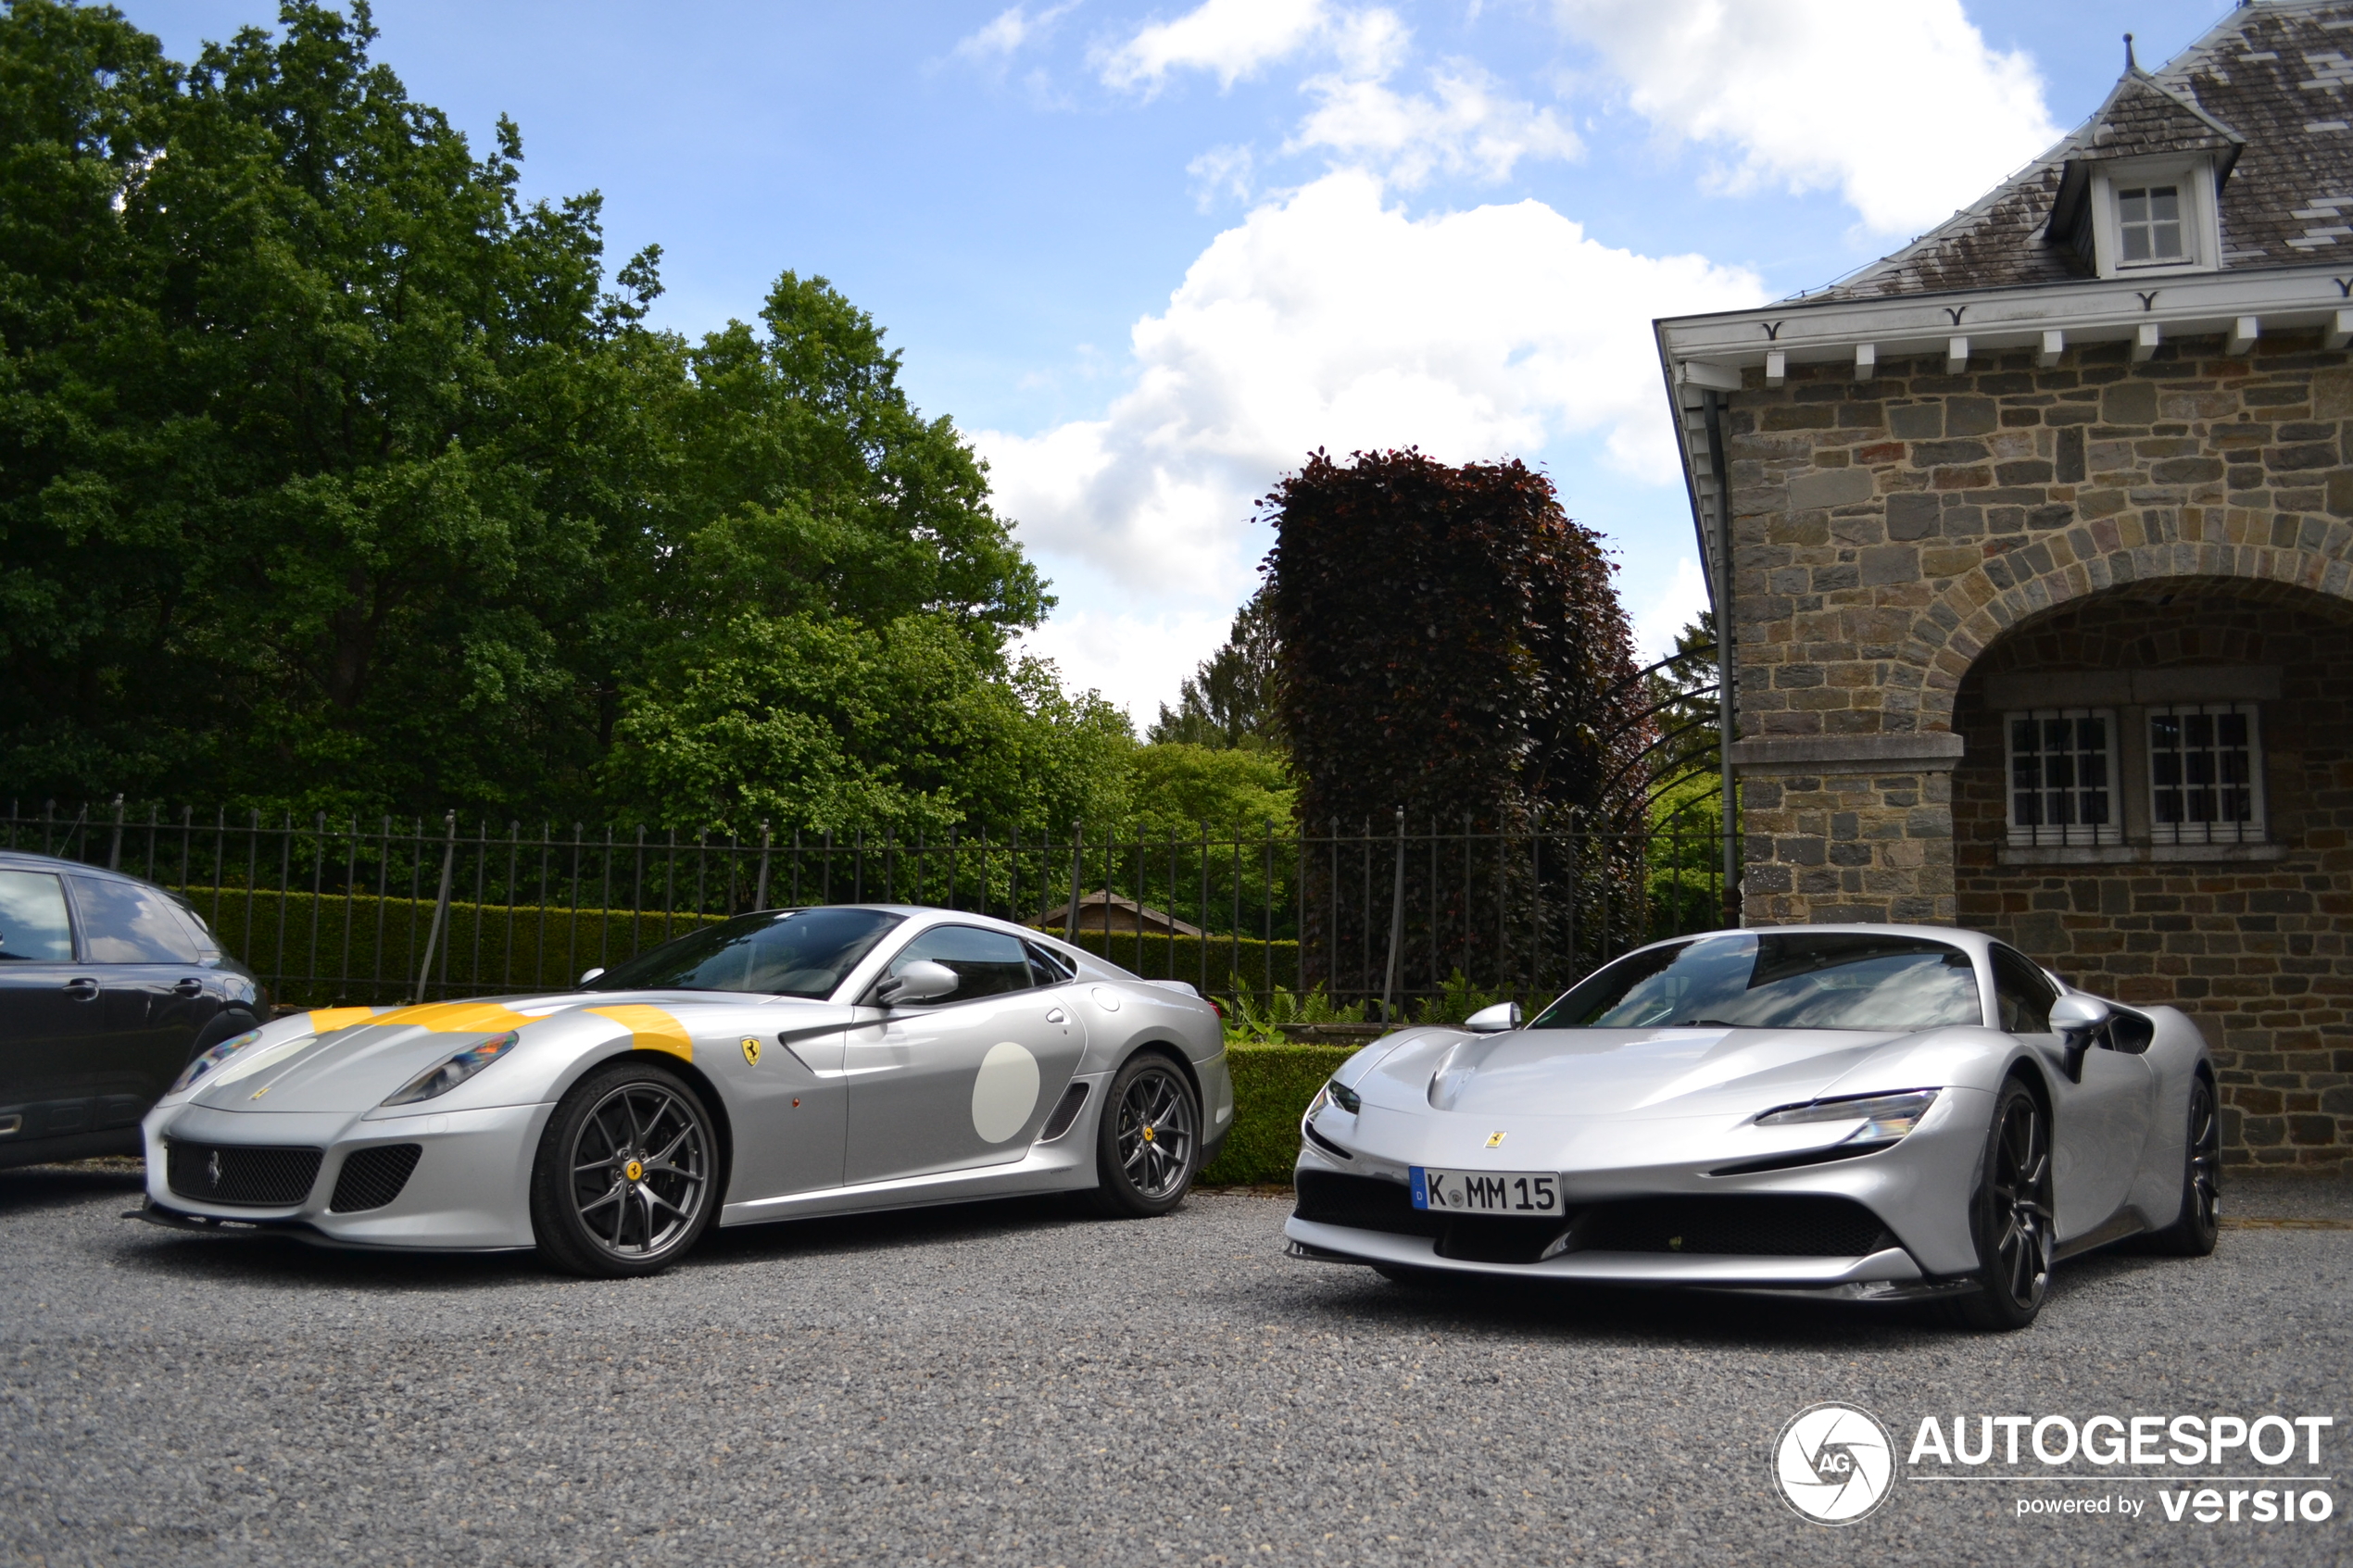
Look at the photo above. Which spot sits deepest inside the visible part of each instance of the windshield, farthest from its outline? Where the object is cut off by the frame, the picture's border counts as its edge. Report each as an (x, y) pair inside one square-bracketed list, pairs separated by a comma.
[(1806, 980), (798, 953)]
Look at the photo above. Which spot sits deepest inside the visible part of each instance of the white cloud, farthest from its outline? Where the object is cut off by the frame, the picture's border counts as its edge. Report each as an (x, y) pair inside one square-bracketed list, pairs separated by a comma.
[(1229, 38), (1800, 91), (1677, 605), (1004, 34), (1332, 320), (1468, 128), (1222, 171), (1136, 660)]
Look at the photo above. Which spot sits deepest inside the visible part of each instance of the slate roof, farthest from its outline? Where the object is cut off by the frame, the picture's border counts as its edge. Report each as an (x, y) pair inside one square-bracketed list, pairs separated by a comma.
[(2269, 89)]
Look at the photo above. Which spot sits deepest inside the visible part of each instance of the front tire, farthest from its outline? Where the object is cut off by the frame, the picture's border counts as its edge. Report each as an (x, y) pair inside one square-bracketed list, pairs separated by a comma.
[(1148, 1142), (2192, 1235), (2011, 1216), (626, 1173)]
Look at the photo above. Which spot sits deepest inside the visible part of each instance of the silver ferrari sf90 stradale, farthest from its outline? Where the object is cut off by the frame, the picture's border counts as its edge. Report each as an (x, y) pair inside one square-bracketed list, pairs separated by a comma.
[(1866, 1112), (773, 1066)]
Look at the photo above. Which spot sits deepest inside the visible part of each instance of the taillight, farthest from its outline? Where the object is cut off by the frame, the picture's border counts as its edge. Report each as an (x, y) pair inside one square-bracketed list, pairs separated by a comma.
[(1216, 1009)]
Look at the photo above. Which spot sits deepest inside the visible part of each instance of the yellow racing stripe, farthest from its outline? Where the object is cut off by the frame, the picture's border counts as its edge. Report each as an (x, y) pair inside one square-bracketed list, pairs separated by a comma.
[(650, 1029), (458, 1018), (326, 1021)]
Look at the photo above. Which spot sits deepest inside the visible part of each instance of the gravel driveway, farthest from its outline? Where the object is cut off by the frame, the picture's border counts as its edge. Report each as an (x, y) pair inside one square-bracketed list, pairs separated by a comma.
[(1006, 1384)]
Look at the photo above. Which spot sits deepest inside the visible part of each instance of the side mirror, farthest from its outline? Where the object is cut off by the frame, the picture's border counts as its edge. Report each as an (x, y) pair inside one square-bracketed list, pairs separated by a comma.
[(1494, 1019), (922, 981), (2075, 1018), (588, 974)]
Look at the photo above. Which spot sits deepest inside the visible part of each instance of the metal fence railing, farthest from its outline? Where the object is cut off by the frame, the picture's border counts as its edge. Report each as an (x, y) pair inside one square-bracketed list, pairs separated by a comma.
[(1388, 916)]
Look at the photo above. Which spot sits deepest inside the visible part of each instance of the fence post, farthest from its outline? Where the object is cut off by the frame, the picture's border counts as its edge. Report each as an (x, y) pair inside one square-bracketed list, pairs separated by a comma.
[(114, 851), (760, 896), (1396, 926), (441, 905), (1077, 875)]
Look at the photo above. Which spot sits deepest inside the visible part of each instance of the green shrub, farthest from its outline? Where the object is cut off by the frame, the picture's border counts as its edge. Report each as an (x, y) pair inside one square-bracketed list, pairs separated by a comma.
[(1272, 1086)]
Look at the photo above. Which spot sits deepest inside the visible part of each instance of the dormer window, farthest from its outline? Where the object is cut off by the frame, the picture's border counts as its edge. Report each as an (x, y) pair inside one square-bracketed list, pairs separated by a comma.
[(2148, 224)]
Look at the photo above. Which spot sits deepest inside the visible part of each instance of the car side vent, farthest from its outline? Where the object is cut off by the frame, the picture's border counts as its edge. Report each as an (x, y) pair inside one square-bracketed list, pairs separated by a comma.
[(374, 1177), (1074, 1098)]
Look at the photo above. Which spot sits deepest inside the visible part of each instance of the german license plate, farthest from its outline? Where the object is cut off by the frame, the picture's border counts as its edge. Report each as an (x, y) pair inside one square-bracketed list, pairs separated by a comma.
[(1487, 1192)]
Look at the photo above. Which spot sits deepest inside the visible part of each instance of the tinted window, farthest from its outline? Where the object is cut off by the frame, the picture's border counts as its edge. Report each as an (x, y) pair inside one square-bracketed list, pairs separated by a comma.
[(33, 918), (1805, 979), (2021, 992), (989, 962), (123, 923), (800, 953), (1050, 967)]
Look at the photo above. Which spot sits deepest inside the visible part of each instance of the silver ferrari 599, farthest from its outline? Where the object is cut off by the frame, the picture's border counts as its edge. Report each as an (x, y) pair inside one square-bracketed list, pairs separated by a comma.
[(778, 1065), (1869, 1113)]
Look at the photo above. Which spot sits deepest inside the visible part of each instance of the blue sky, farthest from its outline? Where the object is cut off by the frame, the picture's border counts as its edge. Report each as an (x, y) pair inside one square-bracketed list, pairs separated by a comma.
[(1148, 256)]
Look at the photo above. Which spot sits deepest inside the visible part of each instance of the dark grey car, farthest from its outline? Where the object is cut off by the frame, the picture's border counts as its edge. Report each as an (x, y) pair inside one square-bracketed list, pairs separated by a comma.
[(108, 987)]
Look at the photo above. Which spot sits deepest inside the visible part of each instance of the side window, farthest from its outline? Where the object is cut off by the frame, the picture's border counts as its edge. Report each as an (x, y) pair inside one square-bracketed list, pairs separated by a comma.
[(122, 922), (1050, 967), (32, 918), (989, 962), (2022, 994)]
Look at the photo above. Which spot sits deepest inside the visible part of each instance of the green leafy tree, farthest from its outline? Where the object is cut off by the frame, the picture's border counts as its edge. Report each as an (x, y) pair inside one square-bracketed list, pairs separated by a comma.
[(1231, 701)]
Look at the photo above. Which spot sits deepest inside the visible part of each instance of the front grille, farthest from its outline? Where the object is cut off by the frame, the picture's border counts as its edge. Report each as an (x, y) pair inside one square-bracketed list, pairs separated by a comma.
[(1366, 1202), (1498, 1238), (374, 1177), (1762, 1226), (253, 1174)]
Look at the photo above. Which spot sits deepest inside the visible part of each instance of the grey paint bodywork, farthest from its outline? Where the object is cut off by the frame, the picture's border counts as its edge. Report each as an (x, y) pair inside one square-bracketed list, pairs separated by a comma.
[(788, 1109), (1654, 1112)]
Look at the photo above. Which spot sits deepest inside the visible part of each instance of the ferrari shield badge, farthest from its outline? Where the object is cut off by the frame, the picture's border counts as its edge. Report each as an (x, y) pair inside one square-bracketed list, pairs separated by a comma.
[(751, 1051), (1494, 1140)]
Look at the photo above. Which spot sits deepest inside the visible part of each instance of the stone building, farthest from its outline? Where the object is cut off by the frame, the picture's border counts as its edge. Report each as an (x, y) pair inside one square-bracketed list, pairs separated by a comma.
[(2040, 566)]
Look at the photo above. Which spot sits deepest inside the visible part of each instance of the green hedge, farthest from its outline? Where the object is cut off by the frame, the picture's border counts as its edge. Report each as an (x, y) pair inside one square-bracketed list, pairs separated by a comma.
[(1272, 1086), (298, 942), (1229, 959)]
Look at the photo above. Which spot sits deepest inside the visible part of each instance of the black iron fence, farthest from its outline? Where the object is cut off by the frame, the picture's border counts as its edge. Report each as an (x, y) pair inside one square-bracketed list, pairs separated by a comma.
[(1394, 918)]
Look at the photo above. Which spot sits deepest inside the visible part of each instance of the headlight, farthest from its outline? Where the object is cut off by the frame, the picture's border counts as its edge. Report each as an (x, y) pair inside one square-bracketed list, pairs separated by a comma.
[(444, 1076), (1885, 1118), (212, 1058), (1338, 1094)]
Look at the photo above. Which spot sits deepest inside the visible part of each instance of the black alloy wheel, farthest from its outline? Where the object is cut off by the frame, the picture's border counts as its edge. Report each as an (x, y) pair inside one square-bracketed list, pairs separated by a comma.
[(1148, 1145), (625, 1180), (2192, 1235), (2010, 1215)]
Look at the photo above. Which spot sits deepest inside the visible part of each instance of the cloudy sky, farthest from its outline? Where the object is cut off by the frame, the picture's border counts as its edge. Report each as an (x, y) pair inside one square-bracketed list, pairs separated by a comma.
[(1148, 256)]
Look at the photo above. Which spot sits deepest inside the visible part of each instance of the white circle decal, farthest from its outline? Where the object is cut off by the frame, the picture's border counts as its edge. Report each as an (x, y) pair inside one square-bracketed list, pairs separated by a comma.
[(1834, 1462), (1005, 1093)]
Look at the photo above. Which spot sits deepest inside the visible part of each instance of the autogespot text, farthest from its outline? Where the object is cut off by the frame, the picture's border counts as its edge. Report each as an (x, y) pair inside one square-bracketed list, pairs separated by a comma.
[(2266, 1469)]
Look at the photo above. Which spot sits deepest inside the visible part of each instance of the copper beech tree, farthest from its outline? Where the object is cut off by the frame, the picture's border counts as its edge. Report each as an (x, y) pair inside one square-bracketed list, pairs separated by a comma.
[(1451, 644)]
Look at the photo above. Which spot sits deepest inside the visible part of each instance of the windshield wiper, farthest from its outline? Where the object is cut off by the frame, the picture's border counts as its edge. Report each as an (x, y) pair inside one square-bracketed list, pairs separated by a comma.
[(1704, 1022)]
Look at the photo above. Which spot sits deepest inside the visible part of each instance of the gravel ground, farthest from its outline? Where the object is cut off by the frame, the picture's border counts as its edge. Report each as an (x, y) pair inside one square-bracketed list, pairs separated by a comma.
[(1006, 1384)]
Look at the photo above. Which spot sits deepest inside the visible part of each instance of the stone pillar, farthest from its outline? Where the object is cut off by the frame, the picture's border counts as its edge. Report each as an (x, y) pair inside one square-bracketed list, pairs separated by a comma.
[(1849, 829)]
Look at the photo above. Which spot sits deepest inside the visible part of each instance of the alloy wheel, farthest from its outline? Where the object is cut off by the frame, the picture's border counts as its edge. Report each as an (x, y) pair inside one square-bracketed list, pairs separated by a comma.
[(1154, 1136), (2206, 1156), (2021, 1196), (640, 1170)]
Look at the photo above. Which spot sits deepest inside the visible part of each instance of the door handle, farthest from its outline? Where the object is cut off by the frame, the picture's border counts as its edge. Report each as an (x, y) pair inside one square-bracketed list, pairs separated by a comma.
[(82, 990), (189, 987), (1056, 1015)]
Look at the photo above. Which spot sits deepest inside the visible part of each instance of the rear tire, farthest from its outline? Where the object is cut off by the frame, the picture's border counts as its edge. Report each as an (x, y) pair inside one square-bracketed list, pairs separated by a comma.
[(2010, 1217), (2192, 1235), (626, 1177), (1148, 1141)]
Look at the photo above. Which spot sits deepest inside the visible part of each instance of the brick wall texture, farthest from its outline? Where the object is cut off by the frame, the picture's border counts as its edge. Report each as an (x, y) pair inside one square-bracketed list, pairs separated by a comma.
[(1898, 540)]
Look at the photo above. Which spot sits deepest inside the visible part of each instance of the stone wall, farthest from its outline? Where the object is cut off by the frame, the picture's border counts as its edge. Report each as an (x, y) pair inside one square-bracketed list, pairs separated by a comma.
[(1890, 532)]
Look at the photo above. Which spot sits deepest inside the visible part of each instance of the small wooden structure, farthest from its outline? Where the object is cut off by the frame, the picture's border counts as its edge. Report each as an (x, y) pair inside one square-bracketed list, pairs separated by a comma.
[(1117, 912)]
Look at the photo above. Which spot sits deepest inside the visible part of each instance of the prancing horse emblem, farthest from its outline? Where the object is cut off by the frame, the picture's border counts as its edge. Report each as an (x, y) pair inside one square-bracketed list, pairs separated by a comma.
[(212, 1170), (1494, 1139), (751, 1051)]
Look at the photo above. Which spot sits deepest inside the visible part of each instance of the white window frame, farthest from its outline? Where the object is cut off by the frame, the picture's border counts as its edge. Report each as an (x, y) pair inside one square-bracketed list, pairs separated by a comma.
[(2201, 227), (2039, 832), (2210, 827)]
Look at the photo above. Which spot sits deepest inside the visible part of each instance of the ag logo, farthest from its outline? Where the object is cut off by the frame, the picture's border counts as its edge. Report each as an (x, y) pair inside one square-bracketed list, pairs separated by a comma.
[(1834, 1463), (751, 1051)]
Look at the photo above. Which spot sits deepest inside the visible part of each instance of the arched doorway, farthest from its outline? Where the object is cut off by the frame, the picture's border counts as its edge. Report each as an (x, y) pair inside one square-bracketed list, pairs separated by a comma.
[(2155, 799)]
